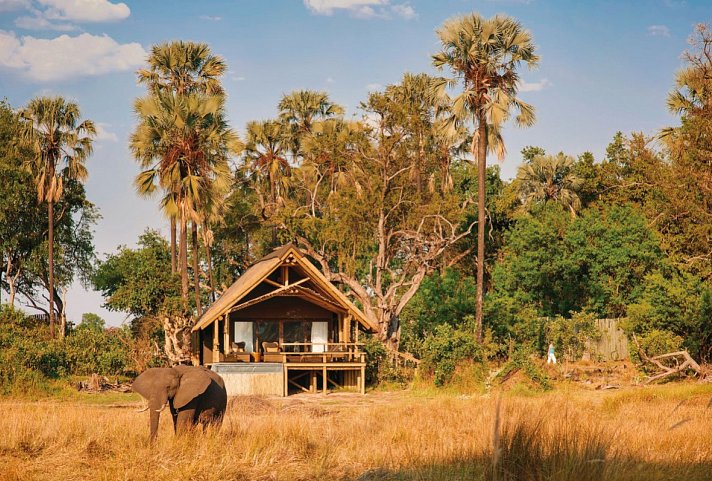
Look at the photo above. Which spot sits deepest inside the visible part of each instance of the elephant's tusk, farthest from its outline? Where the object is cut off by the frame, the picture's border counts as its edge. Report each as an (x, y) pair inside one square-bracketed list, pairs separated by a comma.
[(162, 408), (142, 410)]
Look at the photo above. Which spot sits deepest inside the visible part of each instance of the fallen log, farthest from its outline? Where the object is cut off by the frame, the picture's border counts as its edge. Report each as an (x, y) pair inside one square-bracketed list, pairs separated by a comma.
[(96, 384), (682, 363)]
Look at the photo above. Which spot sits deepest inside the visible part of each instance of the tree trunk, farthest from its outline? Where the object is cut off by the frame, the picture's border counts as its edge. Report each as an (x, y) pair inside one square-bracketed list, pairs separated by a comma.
[(481, 219), (196, 268), (183, 260), (63, 315), (209, 260), (50, 261), (176, 336), (173, 246)]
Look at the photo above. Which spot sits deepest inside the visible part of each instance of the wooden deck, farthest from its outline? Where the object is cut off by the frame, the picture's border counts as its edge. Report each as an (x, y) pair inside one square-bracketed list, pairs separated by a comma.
[(339, 366)]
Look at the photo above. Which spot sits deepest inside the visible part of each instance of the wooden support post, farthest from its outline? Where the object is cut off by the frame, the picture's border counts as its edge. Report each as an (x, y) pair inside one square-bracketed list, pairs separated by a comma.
[(216, 341), (286, 380), (226, 334), (323, 374), (312, 381), (362, 381)]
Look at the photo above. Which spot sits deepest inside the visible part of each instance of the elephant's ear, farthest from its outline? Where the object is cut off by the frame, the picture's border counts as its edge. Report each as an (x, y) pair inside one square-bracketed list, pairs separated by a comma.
[(156, 384), (193, 382)]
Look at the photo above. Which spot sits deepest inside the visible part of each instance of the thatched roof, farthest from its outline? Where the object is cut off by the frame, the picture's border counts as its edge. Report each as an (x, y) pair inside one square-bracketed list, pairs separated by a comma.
[(261, 269)]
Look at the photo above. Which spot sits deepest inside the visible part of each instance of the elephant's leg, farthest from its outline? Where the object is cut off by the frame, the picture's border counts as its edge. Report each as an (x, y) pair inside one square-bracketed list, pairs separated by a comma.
[(185, 420), (174, 415)]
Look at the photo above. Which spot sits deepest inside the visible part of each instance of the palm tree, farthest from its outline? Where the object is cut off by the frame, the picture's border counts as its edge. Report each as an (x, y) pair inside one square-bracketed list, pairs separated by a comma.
[(484, 55), (182, 67), (550, 178), (266, 157), (61, 144), (301, 108), (183, 142)]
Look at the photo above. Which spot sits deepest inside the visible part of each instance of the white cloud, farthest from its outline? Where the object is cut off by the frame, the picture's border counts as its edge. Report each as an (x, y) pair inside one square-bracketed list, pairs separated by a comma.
[(362, 8), (658, 31), (210, 18), (327, 7), (85, 10), (374, 87), (329, 80), (64, 57), (534, 86), (57, 14), (404, 10), (13, 5), (41, 23), (102, 133)]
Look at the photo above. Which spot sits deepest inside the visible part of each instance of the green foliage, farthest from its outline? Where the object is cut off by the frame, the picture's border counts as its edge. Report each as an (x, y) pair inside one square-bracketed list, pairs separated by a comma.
[(92, 321), (30, 359), (521, 360), (106, 352), (445, 298), (654, 343), (571, 335), (446, 347), (677, 303), (139, 281), (378, 368), (595, 262)]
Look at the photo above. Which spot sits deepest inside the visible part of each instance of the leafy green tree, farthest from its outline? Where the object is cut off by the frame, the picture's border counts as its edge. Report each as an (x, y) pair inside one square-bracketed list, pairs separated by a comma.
[(383, 231), (588, 172), (595, 263), (61, 144), (485, 54), (92, 321), (22, 220), (677, 303), (139, 281), (531, 151), (443, 298)]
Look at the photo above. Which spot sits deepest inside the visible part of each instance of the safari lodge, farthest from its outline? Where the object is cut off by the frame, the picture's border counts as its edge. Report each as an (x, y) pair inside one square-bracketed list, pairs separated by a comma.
[(282, 328)]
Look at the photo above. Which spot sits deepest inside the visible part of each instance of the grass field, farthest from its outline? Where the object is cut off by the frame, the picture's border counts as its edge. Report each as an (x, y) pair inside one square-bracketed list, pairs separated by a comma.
[(655, 433)]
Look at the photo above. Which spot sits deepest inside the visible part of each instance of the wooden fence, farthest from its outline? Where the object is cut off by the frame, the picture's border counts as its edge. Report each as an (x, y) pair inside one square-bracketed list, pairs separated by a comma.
[(613, 343)]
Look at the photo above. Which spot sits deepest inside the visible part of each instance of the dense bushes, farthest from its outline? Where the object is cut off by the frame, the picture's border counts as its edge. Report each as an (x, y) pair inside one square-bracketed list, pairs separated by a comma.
[(29, 357)]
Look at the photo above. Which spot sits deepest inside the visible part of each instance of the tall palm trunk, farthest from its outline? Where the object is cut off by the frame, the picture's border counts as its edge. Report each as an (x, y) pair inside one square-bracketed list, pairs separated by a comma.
[(481, 219), (183, 259), (196, 266), (209, 260), (50, 261), (173, 245)]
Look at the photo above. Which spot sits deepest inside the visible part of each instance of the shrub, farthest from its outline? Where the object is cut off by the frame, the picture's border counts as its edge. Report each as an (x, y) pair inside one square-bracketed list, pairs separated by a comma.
[(445, 348), (521, 359), (654, 343), (379, 369), (570, 336)]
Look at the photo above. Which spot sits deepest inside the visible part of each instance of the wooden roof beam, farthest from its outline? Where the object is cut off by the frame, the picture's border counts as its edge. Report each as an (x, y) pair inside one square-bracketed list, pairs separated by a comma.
[(269, 295)]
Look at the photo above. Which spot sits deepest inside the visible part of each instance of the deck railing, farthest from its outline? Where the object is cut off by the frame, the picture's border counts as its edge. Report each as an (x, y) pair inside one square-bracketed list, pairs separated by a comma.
[(324, 352), (305, 352)]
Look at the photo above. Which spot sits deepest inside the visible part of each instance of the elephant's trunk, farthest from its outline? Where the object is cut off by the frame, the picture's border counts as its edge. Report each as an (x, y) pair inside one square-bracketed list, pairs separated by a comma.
[(155, 417)]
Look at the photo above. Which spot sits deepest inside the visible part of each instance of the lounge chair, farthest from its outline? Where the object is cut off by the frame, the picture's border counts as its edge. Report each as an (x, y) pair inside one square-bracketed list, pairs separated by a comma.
[(272, 352), (237, 352)]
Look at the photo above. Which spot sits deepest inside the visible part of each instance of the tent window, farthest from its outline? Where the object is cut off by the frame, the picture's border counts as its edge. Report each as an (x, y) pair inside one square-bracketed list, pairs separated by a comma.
[(244, 333)]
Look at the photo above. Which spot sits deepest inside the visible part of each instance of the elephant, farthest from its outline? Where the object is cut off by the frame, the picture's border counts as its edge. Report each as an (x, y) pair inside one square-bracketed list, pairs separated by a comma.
[(195, 395)]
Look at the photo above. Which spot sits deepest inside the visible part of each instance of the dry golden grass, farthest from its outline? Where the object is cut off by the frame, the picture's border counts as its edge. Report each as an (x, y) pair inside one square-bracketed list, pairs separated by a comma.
[(644, 434)]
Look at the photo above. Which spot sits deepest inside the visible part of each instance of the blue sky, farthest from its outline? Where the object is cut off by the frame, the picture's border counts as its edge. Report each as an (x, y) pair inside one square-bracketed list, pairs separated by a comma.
[(605, 66)]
